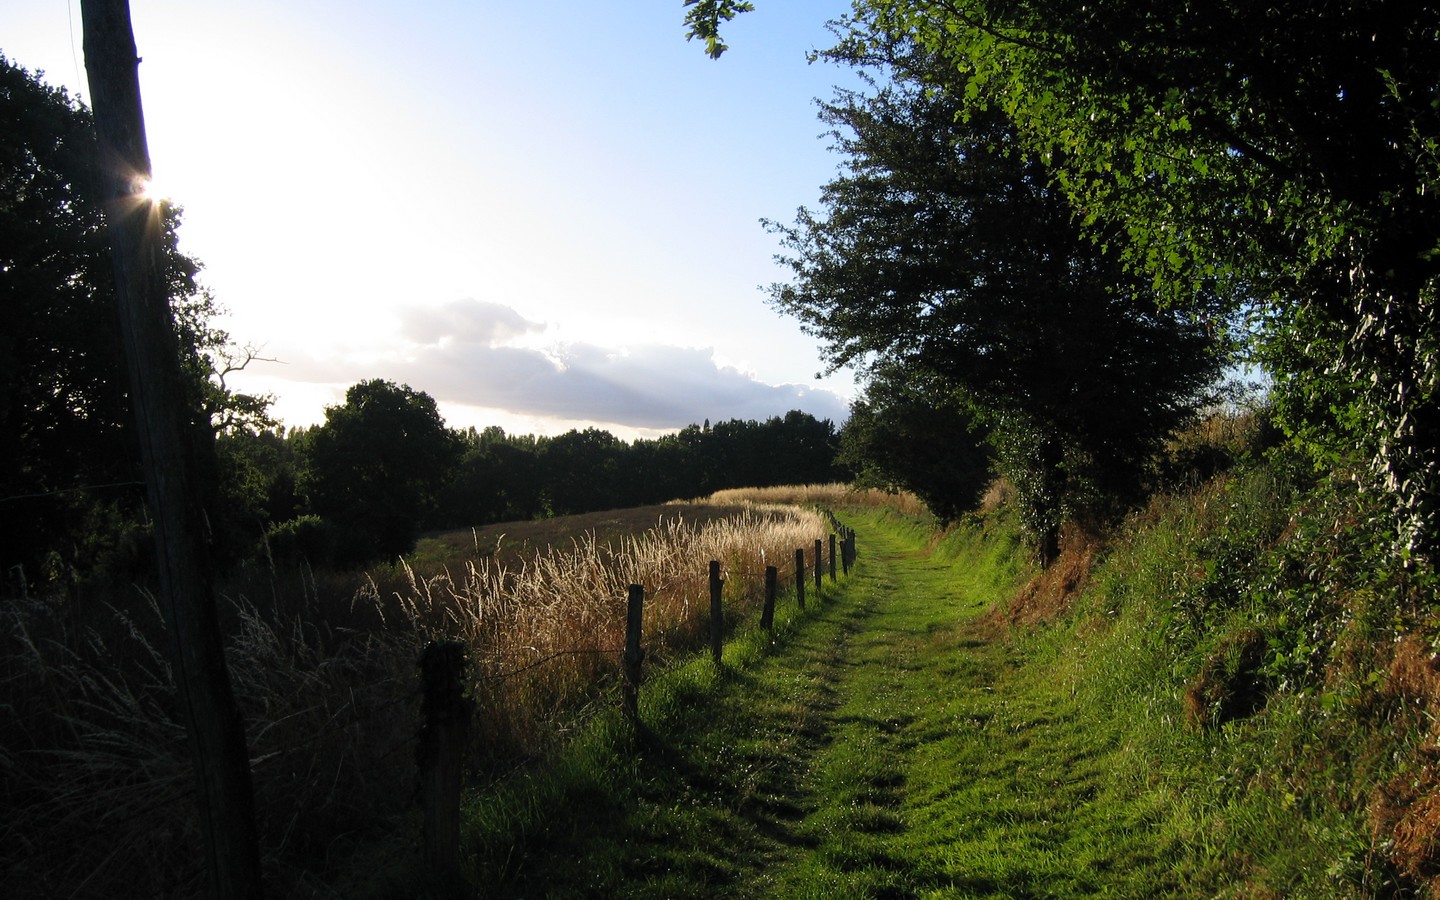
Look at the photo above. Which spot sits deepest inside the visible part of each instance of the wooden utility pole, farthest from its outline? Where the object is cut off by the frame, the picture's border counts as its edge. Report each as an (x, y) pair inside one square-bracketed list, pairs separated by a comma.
[(171, 441)]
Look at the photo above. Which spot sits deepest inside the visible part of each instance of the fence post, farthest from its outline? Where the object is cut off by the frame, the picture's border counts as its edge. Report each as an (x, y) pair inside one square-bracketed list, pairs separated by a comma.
[(630, 663), (767, 613), (819, 564), (800, 578), (441, 751), (717, 614), (832, 558)]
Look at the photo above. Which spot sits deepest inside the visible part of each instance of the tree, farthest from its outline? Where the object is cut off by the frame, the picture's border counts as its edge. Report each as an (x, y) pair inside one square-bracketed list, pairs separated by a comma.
[(374, 469), (581, 471), (63, 417), (496, 480), (908, 434), (68, 456), (1283, 151), (705, 18), (946, 255)]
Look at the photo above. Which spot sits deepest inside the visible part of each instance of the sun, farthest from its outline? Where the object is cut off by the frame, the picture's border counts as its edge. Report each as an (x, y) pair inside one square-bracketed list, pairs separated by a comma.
[(150, 191)]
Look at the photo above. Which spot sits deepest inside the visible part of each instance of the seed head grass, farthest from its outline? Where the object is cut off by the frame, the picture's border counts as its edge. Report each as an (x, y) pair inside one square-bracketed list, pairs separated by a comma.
[(98, 796)]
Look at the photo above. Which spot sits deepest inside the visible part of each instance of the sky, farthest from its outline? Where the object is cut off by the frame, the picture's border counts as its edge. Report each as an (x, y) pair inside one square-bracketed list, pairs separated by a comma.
[(544, 215)]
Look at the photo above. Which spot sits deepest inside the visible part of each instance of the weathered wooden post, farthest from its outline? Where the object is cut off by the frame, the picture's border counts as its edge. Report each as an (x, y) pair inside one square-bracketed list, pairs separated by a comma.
[(717, 614), (176, 451), (767, 613), (800, 578), (441, 753), (633, 653), (832, 557)]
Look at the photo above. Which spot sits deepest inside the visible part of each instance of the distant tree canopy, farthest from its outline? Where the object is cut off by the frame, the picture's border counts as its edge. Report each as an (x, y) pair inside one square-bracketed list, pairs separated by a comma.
[(69, 492), (383, 468), (374, 469), (946, 259), (503, 477)]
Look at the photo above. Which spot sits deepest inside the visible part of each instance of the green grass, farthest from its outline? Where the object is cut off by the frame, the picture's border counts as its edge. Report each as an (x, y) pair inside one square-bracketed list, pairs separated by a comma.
[(895, 741), (885, 748)]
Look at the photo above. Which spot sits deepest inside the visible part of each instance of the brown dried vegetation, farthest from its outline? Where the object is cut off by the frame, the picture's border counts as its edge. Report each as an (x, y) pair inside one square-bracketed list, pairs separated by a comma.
[(1051, 593), (1404, 813)]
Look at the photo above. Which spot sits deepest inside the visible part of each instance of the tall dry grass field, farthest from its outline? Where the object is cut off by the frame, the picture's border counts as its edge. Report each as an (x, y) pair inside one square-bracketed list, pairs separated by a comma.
[(827, 496), (544, 630), (97, 799)]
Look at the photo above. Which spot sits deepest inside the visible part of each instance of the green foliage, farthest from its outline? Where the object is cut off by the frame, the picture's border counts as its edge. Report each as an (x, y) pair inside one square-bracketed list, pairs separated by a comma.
[(947, 257), (705, 17), (374, 469), (581, 471), (1280, 158), (67, 452), (504, 477), (497, 479), (905, 434)]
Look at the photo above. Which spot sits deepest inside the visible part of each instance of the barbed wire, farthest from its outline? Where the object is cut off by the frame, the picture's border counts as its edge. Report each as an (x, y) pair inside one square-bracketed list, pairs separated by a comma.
[(74, 490), (547, 658)]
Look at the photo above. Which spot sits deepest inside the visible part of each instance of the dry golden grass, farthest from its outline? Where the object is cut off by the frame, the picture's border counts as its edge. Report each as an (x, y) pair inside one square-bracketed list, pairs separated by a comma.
[(97, 798), (825, 496), (544, 628)]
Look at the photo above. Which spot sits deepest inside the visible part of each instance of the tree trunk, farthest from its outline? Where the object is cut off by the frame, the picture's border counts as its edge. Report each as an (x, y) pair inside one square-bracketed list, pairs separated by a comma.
[(171, 444)]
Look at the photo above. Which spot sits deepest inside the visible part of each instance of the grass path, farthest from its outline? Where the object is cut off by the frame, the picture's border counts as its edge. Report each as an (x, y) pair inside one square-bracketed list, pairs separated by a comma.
[(889, 748)]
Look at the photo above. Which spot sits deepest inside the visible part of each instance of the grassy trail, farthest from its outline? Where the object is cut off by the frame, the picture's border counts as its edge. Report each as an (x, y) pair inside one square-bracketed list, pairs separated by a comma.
[(891, 747)]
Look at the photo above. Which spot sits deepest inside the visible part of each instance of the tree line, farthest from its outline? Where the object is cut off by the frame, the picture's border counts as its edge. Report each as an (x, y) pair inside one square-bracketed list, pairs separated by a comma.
[(359, 487), (1061, 222), (384, 467), (1055, 230)]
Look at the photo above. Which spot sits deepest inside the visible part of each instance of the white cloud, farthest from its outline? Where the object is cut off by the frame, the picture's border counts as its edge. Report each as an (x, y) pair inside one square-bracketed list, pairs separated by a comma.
[(463, 353), (465, 322)]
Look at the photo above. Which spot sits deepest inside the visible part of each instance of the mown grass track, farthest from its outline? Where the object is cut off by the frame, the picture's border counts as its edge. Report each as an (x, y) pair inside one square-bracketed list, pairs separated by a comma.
[(890, 746)]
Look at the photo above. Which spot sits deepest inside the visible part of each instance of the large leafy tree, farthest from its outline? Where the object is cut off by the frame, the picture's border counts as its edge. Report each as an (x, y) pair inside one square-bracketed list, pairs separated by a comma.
[(945, 253), (69, 480), (909, 432), (1288, 151), (375, 468)]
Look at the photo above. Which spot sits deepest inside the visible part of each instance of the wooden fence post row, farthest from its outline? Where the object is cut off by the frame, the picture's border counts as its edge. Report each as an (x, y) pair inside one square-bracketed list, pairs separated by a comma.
[(447, 711), (847, 544), (441, 751)]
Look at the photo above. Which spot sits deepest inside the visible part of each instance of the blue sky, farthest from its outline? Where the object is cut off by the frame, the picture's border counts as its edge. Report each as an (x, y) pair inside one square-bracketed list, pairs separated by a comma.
[(544, 215)]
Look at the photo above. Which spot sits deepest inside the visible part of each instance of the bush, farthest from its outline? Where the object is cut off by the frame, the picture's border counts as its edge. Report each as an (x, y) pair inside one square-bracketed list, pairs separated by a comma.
[(304, 538)]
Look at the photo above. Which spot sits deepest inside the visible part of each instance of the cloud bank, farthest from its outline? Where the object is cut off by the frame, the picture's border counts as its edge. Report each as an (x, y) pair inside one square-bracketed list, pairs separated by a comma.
[(484, 354)]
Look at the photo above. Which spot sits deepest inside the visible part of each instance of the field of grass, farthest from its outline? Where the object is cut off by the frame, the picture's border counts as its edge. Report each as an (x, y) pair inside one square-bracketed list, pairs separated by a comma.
[(1232, 694), (891, 746), (1229, 697), (97, 798)]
